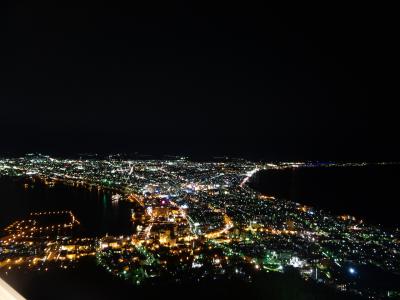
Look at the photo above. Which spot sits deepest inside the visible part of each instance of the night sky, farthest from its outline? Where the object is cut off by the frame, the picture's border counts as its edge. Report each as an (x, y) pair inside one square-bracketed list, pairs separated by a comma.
[(295, 82)]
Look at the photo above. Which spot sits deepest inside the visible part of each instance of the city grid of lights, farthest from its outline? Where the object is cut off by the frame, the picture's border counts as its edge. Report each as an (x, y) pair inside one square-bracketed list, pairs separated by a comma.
[(194, 221)]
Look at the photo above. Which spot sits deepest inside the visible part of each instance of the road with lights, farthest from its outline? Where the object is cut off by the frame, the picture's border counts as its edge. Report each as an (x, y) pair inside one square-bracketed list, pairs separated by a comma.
[(195, 220)]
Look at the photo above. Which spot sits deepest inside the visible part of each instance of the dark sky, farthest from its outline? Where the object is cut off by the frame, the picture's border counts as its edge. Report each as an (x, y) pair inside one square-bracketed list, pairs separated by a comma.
[(294, 82)]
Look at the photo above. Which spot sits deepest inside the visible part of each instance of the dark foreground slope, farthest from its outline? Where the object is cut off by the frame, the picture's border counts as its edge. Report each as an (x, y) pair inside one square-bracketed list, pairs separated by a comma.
[(90, 282)]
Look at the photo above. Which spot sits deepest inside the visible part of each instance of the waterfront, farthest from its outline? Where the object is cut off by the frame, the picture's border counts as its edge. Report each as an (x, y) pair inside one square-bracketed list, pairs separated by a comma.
[(94, 208), (370, 192), (163, 222), (99, 215)]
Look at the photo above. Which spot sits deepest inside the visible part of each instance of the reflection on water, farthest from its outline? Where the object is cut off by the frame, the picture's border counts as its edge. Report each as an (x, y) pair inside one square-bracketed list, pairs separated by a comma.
[(94, 208)]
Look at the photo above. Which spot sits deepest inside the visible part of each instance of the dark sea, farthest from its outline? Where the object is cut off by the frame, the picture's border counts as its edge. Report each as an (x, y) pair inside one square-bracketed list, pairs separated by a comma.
[(93, 208), (370, 192), (367, 192)]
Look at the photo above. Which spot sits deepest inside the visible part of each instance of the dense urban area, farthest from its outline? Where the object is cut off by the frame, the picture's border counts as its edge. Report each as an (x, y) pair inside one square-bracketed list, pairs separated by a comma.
[(195, 221)]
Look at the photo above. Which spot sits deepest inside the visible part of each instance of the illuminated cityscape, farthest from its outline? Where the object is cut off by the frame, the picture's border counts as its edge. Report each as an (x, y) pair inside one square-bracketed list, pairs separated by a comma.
[(194, 221), (199, 150)]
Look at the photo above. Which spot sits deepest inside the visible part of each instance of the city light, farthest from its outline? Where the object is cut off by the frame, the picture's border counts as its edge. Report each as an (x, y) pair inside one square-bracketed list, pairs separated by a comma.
[(198, 219), (352, 271)]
